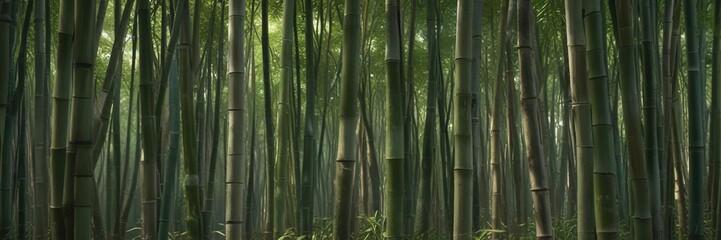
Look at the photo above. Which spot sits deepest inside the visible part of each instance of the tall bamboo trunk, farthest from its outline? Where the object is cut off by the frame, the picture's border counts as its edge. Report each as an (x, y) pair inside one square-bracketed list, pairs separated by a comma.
[(649, 49), (148, 165), (5, 77), (463, 152), (236, 91), (531, 123), (669, 69), (496, 135), (604, 164), (581, 120), (426, 164), (641, 218), (394, 127), (345, 160), (81, 137), (715, 139), (696, 108), (40, 128), (269, 135), (171, 163), (191, 164), (283, 155), (308, 175)]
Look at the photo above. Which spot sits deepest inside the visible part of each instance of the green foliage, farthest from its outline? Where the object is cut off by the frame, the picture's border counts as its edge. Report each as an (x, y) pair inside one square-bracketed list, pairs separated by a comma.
[(371, 227)]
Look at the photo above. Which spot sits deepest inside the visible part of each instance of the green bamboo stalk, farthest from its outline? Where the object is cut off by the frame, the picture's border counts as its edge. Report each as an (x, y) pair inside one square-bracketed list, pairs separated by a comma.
[(171, 164), (696, 106), (268, 114), (40, 127), (22, 171), (345, 160), (60, 113), (394, 125), (496, 126), (148, 165), (191, 167), (118, 231), (668, 66), (208, 146), (234, 164), (308, 175), (581, 120), (5, 50), (421, 224), (650, 113), (715, 139), (463, 155), (283, 128), (16, 181), (530, 121), (641, 218), (81, 137), (604, 163), (105, 98)]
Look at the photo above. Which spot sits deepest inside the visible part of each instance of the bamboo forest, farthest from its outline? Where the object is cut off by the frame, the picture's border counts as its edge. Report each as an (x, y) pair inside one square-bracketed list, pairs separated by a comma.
[(360, 119)]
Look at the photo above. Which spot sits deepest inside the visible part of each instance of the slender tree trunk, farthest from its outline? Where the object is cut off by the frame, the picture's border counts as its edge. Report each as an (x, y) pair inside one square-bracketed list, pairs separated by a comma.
[(696, 108), (5, 77), (40, 127), (496, 127), (308, 175), (463, 152), (81, 138), (671, 16), (641, 218), (171, 164), (581, 121), (394, 132), (424, 201), (236, 109), (269, 137), (149, 163), (604, 163), (14, 150), (532, 133), (191, 165), (650, 73), (345, 160), (283, 155), (715, 139)]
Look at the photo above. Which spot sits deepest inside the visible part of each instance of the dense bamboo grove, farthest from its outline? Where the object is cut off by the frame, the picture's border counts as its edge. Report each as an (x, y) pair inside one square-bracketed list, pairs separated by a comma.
[(360, 119)]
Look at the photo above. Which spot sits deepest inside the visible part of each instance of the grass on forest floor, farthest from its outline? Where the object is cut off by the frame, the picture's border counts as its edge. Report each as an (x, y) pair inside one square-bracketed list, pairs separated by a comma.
[(371, 228)]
